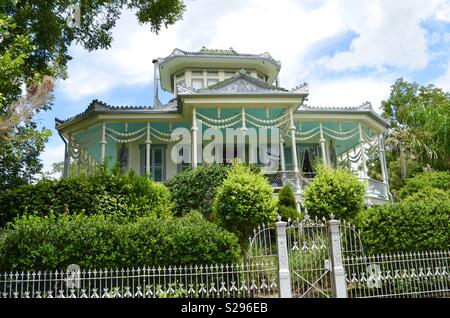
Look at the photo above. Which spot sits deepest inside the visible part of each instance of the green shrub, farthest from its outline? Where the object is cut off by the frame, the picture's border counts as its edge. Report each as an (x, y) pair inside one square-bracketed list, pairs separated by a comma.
[(424, 181), (54, 242), (420, 222), (194, 189), (286, 203), (334, 192), (244, 201), (125, 196)]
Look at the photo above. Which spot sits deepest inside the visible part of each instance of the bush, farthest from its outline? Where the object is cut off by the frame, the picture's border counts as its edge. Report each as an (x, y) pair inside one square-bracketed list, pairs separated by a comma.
[(244, 201), (425, 181), (102, 193), (54, 242), (194, 189), (286, 204), (334, 192), (420, 222)]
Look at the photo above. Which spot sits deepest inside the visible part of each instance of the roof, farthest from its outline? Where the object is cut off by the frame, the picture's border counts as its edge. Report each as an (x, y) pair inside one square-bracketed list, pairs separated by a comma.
[(97, 106), (241, 83), (217, 52), (180, 60), (365, 108)]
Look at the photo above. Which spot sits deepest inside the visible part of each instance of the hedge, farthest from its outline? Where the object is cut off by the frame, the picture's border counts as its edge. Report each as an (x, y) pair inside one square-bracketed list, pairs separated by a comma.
[(419, 223), (102, 193), (424, 181), (334, 191), (54, 242), (244, 201), (194, 189)]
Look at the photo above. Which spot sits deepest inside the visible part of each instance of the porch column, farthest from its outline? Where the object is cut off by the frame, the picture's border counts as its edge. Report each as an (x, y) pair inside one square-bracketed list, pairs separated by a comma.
[(103, 143), (194, 137), (382, 155), (293, 141), (147, 151), (282, 163), (363, 151), (79, 162), (68, 156), (322, 145)]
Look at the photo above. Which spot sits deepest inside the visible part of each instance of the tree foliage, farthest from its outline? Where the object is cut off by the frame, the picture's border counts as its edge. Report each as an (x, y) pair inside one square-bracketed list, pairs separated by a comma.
[(194, 189), (244, 201), (54, 242), (286, 203), (334, 192), (419, 123)]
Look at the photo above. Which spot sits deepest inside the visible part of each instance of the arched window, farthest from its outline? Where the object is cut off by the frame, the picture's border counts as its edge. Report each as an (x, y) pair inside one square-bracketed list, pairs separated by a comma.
[(122, 157)]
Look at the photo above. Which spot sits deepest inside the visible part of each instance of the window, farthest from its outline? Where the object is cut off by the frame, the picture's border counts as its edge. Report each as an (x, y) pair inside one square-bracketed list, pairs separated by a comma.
[(197, 83)]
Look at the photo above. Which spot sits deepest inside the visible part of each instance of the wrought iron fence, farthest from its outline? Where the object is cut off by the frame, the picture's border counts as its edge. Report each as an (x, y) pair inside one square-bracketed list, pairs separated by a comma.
[(256, 279), (398, 275)]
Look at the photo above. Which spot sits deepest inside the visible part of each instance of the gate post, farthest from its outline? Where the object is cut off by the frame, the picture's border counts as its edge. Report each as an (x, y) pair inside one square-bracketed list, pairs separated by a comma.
[(337, 268), (284, 275)]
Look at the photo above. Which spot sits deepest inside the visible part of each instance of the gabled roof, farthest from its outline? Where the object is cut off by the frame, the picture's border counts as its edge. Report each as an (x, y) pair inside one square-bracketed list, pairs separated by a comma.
[(240, 83)]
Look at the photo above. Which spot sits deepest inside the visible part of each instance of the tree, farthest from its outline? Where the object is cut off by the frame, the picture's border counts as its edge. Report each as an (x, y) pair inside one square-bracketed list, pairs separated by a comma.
[(34, 42), (286, 203), (244, 201), (419, 124), (334, 192)]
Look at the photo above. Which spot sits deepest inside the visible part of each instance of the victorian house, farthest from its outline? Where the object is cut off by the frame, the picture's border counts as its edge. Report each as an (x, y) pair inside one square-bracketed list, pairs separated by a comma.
[(223, 90)]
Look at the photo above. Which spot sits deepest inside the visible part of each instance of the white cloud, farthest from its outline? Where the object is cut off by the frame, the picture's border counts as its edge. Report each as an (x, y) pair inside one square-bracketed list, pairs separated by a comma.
[(443, 12), (389, 33), (50, 155), (444, 80), (349, 91)]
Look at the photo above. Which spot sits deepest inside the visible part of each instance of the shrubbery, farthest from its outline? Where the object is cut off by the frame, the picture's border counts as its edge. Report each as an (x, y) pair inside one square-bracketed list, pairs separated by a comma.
[(426, 181), (286, 204), (334, 192), (419, 223), (194, 189), (102, 193), (244, 201), (53, 242)]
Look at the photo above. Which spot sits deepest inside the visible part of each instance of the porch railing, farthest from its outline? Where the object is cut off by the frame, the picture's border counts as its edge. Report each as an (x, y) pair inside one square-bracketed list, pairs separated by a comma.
[(376, 188)]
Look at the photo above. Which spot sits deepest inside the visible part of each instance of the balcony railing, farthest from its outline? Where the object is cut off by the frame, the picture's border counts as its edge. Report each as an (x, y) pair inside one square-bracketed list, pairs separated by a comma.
[(375, 189)]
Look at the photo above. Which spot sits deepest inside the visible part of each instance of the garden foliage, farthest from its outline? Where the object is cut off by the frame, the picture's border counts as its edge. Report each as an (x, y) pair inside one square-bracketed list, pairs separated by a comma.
[(98, 241), (286, 204), (194, 189), (334, 192), (244, 201), (125, 197)]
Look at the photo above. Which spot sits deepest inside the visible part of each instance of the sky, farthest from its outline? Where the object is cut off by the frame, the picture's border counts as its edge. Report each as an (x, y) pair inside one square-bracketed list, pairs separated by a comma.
[(349, 51)]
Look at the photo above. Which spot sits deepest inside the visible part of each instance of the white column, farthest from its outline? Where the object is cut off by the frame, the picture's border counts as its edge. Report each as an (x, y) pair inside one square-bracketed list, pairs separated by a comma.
[(284, 278), (282, 163), (147, 151), (69, 155), (363, 151), (103, 143), (194, 138), (338, 272), (293, 141), (384, 171), (79, 162), (322, 145)]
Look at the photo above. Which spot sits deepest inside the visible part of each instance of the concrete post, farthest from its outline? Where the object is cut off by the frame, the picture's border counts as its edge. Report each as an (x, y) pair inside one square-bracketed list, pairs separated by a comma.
[(337, 268), (284, 278)]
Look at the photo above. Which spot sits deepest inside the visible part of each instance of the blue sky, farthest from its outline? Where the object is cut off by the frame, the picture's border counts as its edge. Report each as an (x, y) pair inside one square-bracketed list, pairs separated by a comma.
[(349, 51)]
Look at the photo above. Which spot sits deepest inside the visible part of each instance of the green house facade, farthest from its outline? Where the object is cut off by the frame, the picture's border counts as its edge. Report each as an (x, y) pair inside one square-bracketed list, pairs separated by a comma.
[(226, 105)]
